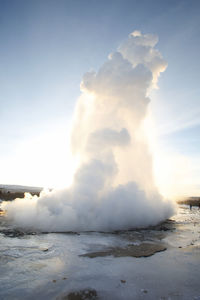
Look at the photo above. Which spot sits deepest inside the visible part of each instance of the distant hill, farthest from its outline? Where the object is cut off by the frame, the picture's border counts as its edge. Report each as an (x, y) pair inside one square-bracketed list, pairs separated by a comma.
[(194, 201), (10, 192)]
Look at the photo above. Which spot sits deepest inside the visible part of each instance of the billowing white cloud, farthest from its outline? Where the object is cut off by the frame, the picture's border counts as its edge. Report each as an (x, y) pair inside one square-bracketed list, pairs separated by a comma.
[(139, 49), (113, 187)]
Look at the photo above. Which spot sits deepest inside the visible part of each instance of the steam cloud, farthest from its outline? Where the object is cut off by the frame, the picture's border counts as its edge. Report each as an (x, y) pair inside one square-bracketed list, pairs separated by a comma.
[(113, 187)]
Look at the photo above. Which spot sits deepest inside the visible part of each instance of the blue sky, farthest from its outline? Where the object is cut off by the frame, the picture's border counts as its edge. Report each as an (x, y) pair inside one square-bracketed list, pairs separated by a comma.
[(47, 46)]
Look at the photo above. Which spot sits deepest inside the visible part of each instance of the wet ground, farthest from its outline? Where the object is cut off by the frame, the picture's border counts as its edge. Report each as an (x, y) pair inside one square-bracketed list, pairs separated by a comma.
[(161, 262)]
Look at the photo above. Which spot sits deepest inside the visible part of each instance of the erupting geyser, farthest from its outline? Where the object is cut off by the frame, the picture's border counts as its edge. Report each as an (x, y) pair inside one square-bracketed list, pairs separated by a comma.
[(113, 188)]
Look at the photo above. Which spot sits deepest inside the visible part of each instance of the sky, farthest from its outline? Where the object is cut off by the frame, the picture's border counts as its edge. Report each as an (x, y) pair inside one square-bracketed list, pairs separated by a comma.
[(47, 46)]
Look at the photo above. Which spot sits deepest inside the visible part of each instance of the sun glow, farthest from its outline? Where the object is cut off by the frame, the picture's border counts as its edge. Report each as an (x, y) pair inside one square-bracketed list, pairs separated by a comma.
[(43, 161), (171, 169)]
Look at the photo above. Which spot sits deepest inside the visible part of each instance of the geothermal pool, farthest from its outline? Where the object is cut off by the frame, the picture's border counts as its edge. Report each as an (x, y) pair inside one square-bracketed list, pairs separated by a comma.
[(94, 265)]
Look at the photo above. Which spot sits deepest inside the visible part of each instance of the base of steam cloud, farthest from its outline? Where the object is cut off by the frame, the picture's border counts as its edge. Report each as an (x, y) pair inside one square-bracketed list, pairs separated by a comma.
[(123, 208)]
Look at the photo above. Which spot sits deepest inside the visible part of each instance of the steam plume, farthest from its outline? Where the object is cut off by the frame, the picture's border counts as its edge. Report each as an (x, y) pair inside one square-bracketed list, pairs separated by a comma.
[(113, 187)]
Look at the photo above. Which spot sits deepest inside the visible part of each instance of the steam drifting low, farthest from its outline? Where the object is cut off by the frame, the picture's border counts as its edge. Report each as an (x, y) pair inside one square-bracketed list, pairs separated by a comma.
[(113, 188)]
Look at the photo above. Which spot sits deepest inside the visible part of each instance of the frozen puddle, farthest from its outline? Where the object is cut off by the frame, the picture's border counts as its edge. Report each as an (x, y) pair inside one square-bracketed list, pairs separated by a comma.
[(102, 265)]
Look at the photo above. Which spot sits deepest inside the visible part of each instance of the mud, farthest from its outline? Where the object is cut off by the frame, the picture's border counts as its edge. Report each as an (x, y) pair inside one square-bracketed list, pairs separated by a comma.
[(142, 250), (80, 295)]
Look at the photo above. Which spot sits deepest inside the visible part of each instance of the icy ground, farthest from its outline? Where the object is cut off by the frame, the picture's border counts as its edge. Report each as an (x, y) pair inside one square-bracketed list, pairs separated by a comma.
[(49, 266)]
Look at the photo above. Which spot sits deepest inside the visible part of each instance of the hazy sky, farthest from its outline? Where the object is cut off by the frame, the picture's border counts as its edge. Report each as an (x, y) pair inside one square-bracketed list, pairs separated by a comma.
[(47, 46)]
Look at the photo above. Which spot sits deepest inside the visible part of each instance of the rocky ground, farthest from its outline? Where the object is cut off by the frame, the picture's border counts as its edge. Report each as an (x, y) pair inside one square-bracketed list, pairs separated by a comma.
[(159, 262)]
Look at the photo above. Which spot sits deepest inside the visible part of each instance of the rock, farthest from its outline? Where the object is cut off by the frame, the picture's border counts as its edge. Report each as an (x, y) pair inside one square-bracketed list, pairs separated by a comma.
[(123, 281), (12, 232), (45, 250)]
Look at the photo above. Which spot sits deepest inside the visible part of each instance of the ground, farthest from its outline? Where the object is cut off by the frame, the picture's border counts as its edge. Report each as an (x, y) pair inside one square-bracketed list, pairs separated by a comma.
[(161, 262)]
